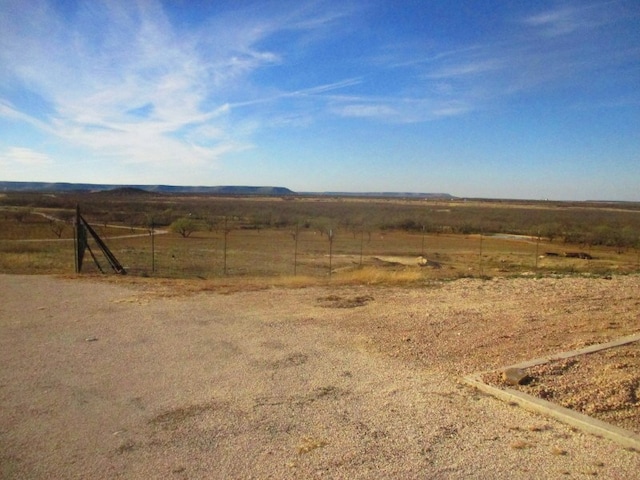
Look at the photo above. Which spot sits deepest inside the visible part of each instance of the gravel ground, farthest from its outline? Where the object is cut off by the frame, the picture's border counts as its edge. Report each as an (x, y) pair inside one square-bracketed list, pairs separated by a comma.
[(103, 380), (604, 385)]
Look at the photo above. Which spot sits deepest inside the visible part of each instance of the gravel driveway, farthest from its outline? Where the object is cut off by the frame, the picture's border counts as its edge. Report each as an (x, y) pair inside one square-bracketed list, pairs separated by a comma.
[(101, 380)]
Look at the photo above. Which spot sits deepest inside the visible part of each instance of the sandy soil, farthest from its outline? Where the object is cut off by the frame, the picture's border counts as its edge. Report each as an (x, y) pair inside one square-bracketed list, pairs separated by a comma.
[(101, 380)]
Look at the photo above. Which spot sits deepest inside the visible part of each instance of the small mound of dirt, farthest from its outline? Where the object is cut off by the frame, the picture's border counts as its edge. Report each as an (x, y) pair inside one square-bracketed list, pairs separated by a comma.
[(336, 301)]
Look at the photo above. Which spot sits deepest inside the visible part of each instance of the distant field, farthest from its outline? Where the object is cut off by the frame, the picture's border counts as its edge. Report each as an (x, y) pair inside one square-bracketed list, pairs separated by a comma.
[(278, 237)]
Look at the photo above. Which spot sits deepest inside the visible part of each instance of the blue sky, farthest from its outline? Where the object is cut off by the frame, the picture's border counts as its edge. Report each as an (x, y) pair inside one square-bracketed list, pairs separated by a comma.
[(497, 99)]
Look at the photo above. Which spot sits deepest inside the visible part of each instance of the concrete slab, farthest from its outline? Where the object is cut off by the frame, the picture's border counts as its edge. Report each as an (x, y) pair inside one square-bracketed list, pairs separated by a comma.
[(586, 423)]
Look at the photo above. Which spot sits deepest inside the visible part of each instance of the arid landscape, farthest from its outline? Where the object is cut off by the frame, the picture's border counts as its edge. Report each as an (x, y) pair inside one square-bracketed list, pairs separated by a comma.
[(312, 239), (203, 236), (309, 338)]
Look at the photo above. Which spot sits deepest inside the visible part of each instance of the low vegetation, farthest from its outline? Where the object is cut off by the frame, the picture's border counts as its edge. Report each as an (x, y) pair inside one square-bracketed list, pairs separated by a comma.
[(346, 239), (184, 226)]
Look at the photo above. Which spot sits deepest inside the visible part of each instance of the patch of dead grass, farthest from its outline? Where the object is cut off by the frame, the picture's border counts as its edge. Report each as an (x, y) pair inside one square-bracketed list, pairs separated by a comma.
[(175, 287), (379, 276)]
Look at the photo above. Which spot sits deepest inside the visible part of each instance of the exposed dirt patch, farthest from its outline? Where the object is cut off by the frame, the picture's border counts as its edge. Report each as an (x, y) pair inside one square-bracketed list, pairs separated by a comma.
[(174, 417), (336, 301)]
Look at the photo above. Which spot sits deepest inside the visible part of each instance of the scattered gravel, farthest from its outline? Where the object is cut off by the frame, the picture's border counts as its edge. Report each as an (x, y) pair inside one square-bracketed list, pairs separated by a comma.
[(604, 385), (103, 380)]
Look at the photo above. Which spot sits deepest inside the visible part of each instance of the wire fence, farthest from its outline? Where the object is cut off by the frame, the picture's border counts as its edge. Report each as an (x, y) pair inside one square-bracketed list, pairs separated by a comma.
[(234, 248), (308, 252)]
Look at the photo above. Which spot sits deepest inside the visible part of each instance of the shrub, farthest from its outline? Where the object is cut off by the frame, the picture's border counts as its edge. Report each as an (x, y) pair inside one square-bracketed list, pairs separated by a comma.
[(185, 226)]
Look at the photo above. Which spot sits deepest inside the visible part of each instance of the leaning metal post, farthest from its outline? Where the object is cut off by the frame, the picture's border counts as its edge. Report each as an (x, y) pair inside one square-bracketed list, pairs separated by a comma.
[(81, 243)]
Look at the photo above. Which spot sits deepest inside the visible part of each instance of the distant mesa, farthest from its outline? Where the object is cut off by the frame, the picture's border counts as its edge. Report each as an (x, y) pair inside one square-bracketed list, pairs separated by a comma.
[(124, 190), (443, 196), (130, 190)]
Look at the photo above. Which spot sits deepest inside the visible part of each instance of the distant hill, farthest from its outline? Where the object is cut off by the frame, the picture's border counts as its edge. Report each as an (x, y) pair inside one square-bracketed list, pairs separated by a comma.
[(132, 189), (444, 196), (123, 190)]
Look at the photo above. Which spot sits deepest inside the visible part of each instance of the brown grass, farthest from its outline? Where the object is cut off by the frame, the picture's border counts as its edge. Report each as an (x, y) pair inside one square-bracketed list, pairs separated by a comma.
[(378, 276), (271, 253)]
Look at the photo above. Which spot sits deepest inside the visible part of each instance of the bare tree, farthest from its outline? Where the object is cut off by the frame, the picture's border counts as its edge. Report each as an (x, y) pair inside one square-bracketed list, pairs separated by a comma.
[(57, 227)]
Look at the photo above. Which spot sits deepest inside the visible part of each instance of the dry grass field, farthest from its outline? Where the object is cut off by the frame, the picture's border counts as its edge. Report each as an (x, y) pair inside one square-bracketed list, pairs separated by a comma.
[(263, 237)]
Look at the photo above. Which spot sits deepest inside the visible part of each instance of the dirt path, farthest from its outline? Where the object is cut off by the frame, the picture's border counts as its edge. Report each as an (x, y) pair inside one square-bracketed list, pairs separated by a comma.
[(117, 381)]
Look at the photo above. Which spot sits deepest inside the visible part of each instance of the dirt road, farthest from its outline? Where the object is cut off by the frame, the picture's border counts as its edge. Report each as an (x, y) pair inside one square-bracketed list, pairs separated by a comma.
[(122, 381)]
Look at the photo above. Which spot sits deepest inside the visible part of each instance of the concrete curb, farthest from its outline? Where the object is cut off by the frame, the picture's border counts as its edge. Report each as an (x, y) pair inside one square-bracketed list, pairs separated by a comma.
[(585, 423)]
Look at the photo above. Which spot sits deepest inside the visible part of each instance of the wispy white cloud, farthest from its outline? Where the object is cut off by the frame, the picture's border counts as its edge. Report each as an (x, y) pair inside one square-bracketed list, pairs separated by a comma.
[(93, 100), (401, 109), (327, 87), (126, 84), (555, 22), (315, 90), (366, 110), (567, 19), (451, 109), (20, 156), (557, 48), (471, 67), (10, 112)]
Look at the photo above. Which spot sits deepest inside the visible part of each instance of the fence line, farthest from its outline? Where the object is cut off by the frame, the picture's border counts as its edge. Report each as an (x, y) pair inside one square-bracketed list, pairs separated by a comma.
[(238, 252)]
